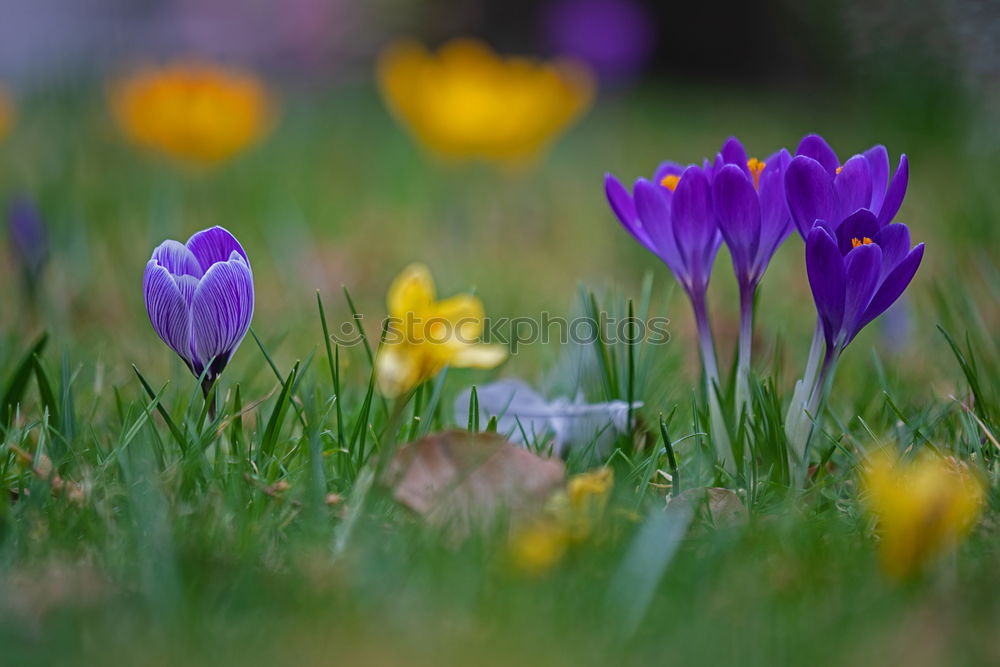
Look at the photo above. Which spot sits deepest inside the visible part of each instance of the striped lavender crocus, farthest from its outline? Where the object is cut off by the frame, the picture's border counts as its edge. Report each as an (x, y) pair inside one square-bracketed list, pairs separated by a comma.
[(753, 217), (673, 217), (200, 299)]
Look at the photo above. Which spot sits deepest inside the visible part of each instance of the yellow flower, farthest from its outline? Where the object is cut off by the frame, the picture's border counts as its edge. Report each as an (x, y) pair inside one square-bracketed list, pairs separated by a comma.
[(425, 334), (6, 113), (923, 508), (584, 502), (570, 518), (197, 113), (468, 102)]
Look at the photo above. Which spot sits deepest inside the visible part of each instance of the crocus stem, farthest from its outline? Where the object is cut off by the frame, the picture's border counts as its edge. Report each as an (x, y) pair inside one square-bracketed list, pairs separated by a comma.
[(813, 411), (743, 359), (206, 390), (797, 420), (720, 434)]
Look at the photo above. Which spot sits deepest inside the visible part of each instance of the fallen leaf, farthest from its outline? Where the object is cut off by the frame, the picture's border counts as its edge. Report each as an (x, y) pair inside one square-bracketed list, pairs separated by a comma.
[(460, 479)]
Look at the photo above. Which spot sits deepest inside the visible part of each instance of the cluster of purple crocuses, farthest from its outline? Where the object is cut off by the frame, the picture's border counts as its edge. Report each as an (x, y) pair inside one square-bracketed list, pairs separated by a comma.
[(858, 260)]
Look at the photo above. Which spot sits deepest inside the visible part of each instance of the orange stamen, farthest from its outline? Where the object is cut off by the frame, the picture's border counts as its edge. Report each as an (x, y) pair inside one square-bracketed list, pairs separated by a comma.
[(756, 167), (865, 241), (670, 181)]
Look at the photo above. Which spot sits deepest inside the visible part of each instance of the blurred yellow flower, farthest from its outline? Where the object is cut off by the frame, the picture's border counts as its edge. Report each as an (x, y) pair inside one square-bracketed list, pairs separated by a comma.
[(468, 102), (571, 516), (923, 508), (425, 334), (194, 112), (6, 113)]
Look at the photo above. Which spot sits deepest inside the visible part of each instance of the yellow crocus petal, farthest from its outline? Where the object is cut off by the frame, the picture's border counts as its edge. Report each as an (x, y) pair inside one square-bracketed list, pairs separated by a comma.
[(460, 317), (6, 113), (479, 356), (923, 508), (412, 293), (586, 501), (399, 368), (538, 547)]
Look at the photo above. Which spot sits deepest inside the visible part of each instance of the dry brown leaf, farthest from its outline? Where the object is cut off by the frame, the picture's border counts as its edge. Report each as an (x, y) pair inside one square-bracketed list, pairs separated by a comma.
[(458, 479)]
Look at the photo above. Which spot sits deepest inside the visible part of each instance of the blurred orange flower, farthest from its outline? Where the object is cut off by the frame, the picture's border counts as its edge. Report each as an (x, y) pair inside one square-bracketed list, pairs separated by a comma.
[(923, 508), (468, 102), (194, 112), (6, 113)]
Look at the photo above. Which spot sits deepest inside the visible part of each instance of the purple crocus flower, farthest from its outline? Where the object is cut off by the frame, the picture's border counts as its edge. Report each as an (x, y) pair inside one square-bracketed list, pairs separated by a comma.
[(856, 272), (673, 217), (200, 299), (753, 217), (750, 204), (820, 187), (29, 239)]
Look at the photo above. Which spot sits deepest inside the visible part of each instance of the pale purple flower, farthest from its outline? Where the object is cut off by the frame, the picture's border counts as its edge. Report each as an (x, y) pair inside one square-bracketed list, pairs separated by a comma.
[(29, 239), (200, 299)]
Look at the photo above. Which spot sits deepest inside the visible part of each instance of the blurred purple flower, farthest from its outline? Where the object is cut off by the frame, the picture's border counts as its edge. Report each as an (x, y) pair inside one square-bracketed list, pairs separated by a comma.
[(200, 299), (820, 187), (856, 272), (299, 33), (615, 37), (29, 239)]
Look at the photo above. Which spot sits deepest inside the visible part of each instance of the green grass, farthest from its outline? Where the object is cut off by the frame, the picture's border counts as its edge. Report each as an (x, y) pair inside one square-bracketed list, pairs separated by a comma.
[(243, 538)]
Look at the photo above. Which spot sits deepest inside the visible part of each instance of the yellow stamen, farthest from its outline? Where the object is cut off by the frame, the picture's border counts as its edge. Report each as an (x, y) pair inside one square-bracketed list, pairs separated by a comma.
[(865, 241), (756, 167), (839, 168), (670, 181)]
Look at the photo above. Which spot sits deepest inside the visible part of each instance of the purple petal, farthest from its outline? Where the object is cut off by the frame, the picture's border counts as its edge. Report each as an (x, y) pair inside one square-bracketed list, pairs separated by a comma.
[(825, 268), (177, 259), (733, 153), (862, 266), (221, 311), (854, 186), (667, 168), (894, 239), (859, 225), (775, 220), (810, 193), (168, 311), (214, 245), (897, 190), (878, 163), (738, 211), (891, 288), (695, 229), (624, 208), (652, 203), (815, 147)]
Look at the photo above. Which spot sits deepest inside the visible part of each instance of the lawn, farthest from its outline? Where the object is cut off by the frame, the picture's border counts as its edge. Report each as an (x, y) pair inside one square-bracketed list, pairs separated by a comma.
[(141, 528)]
